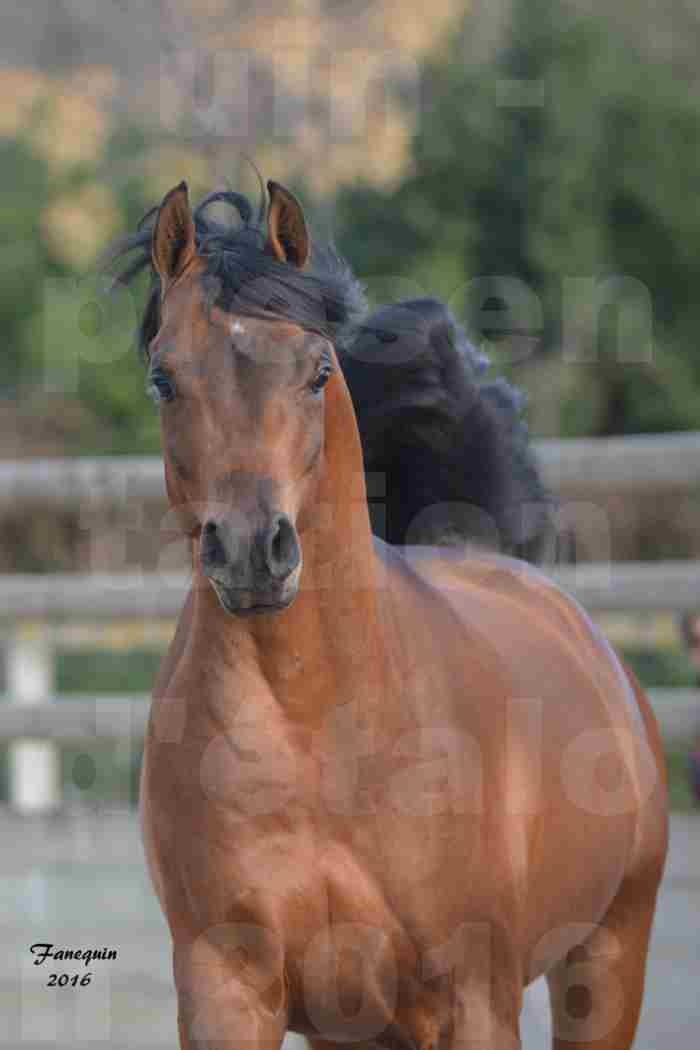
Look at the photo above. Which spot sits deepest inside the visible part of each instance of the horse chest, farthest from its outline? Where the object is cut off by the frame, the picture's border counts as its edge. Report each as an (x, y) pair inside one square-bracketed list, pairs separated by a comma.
[(356, 974)]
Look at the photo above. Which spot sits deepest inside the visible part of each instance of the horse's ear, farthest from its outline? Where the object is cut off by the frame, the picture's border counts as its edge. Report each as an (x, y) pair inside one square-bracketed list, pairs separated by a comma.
[(174, 246), (287, 235)]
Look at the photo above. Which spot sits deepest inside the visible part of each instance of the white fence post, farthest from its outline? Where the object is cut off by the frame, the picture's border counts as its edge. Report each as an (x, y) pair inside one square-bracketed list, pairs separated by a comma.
[(33, 764)]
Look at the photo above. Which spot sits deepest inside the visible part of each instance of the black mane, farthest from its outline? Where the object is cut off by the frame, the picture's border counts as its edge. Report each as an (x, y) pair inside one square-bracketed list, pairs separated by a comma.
[(447, 454), (450, 452), (241, 277)]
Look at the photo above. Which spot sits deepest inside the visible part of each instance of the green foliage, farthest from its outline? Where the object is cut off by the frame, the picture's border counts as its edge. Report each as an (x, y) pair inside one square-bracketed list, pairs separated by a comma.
[(567, 162), (679, 782), (667, 668), (540, 173), (24, 260), (106, 671), (70, 370)]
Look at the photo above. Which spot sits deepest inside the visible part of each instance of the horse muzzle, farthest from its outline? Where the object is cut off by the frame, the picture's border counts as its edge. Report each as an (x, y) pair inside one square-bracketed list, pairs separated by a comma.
[(252, 571)]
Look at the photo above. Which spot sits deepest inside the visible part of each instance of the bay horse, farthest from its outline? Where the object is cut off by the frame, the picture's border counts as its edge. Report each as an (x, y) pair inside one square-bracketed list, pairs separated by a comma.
[(384, 787)]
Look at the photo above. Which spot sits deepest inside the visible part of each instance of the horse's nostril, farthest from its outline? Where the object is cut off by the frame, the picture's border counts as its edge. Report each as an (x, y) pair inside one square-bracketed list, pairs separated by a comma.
[(277, 547), (212, 549), (282, 547)]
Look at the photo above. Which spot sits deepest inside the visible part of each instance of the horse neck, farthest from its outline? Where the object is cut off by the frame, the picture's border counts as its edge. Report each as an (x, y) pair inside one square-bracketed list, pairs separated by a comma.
[(331, 631)]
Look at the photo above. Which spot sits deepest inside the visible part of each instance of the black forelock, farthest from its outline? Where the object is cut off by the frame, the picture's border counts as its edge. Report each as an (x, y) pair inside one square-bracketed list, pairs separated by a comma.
[(241, 277)]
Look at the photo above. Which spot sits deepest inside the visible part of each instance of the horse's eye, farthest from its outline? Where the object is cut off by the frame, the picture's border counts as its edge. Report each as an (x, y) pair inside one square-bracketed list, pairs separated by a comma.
[(160, 387), (321, 378)]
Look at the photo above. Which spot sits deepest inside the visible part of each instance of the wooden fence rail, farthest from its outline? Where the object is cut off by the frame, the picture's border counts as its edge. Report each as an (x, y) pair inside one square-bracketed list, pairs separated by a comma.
[(662, 461), (72, 720), (34, 608), (614, 587)]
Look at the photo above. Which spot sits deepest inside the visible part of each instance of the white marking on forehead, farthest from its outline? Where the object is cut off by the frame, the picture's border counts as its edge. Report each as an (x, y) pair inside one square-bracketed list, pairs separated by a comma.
[(237, 328)]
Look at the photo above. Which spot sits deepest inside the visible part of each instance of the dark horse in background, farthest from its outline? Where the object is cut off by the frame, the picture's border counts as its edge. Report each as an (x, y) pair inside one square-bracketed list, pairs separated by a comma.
[(385, 786), (447, 454)]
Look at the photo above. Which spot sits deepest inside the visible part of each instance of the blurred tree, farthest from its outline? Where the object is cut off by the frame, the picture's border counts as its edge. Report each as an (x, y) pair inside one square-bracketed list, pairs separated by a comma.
[(71, 381), (562, 175), (558, 167), (24, 257)]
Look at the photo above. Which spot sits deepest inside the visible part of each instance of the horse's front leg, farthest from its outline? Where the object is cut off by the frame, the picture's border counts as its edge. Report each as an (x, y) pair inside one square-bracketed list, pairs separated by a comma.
[(487, 1018), (486, 990), (231, 991)]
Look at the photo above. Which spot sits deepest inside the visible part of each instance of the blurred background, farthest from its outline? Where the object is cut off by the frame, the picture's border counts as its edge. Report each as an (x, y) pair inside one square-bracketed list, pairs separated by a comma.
[(534, 163)]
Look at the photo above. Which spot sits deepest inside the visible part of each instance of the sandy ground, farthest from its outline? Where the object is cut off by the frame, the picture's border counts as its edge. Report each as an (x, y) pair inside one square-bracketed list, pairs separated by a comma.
[(78, 881)]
